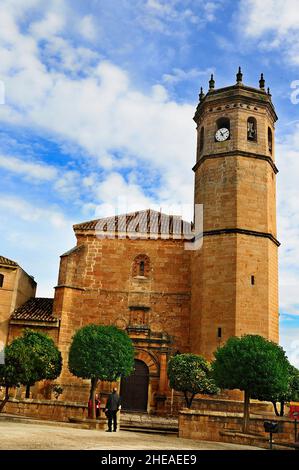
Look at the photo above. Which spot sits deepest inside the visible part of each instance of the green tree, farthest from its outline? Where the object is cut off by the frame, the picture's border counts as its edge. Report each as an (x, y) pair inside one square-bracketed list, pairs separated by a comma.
[(190, 374), (254, 365), (8, 376), (291, 393), (34, 357), (100, 353), (294, 384)]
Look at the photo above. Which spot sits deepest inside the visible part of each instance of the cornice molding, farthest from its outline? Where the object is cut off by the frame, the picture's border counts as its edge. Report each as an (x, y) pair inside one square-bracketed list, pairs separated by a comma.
[(241, 231), (236, 153)]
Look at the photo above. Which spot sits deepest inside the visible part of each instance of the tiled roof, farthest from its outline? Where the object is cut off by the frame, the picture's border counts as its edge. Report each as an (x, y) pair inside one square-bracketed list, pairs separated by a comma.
[(143, 222), (35, 309), (7, 262)]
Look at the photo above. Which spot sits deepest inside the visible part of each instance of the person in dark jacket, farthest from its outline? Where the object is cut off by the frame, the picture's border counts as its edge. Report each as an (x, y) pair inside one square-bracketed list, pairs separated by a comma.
[(112, 407)]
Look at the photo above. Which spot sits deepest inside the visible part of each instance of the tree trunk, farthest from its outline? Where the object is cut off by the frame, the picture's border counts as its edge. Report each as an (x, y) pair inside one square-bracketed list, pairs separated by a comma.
[(275, 408), (27, 394), (246, 411), (187, 399), (281, 408), (5, 400), (191, 399), (93, 387), (3, 403)]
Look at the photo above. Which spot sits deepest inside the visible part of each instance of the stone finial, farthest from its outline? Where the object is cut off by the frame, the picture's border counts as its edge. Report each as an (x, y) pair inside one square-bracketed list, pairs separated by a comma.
[(239, 76), (201, 94), (268, 91), (262, 82), (211, 83)]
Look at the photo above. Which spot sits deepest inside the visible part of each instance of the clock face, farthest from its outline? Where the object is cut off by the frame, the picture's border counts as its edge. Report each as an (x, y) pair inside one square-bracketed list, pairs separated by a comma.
[(222, 134)]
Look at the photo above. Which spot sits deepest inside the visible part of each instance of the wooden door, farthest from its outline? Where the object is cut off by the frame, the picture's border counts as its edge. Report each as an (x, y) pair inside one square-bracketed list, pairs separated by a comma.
[(134, 389)]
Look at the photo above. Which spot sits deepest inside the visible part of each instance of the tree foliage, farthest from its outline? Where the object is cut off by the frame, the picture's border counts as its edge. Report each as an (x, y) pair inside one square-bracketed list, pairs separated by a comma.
[(8, 376), (35, 357), (101, 352), (8, 373), (290, 394), (190, 374), (293, 392), (30, 358), (253, 364)]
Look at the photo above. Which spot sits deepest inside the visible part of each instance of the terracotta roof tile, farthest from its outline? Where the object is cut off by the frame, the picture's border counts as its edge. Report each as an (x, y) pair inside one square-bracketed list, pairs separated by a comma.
[(7, 262), (35, 309), (142, 222)]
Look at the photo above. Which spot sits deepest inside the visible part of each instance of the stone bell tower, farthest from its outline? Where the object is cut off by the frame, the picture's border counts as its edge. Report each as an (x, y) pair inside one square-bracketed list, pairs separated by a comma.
[(235, 273)]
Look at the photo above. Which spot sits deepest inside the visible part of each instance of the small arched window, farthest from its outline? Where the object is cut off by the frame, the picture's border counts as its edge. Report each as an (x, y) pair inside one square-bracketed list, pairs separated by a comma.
[(201, 139), (223, 123), (251, 129), (141, 266), (270, 143), (1, 280)]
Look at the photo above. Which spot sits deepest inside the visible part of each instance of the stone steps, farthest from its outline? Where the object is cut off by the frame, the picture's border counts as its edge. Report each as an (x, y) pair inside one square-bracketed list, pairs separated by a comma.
[(143, 422), (148, 430)]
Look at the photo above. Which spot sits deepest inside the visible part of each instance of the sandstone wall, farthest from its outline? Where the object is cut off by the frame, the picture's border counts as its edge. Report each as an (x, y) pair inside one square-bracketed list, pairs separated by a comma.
[(222, 426), (97, 285)]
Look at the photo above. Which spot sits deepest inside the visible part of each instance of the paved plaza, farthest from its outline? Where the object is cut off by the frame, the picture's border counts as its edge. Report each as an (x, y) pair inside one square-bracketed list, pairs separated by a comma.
[(25, 436)]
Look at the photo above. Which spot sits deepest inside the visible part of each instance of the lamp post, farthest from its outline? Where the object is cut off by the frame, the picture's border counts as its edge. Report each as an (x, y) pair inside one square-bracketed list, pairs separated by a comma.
[(271, 427)]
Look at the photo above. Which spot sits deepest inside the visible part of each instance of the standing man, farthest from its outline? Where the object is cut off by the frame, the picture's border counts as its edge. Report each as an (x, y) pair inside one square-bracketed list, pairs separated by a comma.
[(112, 407)]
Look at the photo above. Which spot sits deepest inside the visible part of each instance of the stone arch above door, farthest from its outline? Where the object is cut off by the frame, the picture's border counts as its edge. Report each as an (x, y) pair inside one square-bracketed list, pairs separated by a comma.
[(149, 359)]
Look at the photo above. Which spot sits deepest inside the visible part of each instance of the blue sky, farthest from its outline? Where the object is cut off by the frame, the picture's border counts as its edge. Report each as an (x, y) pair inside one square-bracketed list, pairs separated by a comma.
[(99, 100)]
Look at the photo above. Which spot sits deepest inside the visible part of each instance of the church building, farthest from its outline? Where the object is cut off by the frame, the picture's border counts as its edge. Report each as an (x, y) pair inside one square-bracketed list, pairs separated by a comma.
[(137, 271)]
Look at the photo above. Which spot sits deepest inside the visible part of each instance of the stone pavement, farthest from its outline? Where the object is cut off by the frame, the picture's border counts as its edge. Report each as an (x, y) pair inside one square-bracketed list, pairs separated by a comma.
[(37, 436)]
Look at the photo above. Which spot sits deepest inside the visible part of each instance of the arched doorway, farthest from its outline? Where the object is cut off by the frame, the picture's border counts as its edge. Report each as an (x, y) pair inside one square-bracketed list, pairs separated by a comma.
[(134, 389)]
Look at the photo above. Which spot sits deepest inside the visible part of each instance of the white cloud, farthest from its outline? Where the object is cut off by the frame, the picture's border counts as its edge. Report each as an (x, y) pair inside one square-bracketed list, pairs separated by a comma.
[(273, 23), (288, 221), (210, 8), (168, 17), (159, 93), (49, 26), (87, 28), (89, 180), (160, 8), (180, 10), (32, 170), (119, 196), (268, 15), (100, 112), (179, 75), (68, 184), (35, 236), (30, 213), (289, 339)]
